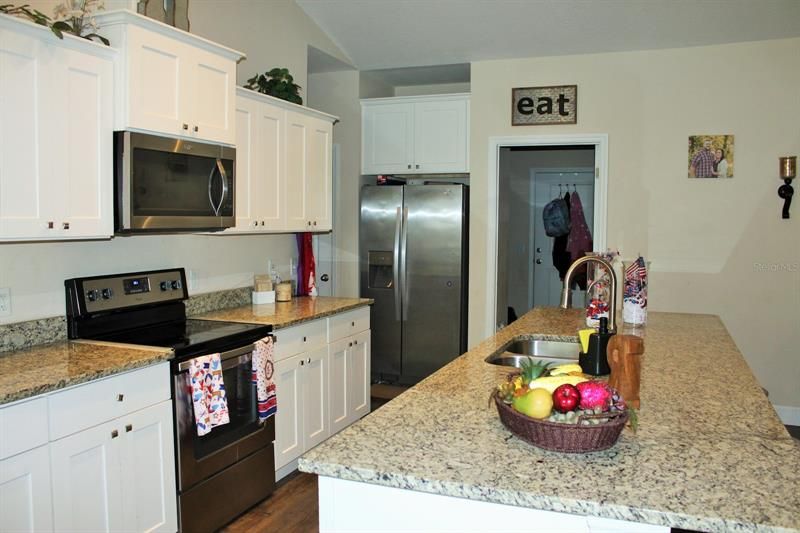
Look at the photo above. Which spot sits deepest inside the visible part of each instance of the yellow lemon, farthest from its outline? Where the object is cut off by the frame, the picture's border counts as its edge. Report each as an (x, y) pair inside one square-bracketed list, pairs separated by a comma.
[(537, 403)]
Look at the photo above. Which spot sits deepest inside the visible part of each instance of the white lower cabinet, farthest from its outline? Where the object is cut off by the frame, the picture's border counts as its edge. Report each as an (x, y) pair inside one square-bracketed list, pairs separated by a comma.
[(323, 388), (350, 370), (119, 475), (25, 503), (301, 382)]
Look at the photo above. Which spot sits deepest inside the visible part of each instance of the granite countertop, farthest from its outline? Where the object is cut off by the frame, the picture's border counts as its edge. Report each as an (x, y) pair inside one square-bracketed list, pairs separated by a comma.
[(710, 453), (285, 314), (48, 367)]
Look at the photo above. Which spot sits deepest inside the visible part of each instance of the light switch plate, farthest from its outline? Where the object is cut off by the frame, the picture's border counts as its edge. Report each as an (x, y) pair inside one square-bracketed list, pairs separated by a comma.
[(5, 301)]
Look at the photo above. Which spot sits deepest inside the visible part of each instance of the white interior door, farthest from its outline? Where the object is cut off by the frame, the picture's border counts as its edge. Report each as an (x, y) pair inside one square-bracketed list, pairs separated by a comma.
[(545, 285)]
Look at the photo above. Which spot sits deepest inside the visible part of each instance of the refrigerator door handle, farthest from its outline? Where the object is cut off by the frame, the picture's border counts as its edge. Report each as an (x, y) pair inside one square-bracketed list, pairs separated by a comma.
[(404, 261), (396, 265)]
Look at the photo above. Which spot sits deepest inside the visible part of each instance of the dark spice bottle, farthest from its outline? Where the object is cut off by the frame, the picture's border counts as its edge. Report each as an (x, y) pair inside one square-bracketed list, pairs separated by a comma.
[(595, 361)]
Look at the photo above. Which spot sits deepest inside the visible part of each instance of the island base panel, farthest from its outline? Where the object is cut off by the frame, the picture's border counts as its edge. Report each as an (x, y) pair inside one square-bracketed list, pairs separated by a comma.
[(353, 506)]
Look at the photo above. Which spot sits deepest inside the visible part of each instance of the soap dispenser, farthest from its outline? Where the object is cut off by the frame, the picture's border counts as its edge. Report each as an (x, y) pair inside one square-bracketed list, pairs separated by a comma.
[(595, 361)]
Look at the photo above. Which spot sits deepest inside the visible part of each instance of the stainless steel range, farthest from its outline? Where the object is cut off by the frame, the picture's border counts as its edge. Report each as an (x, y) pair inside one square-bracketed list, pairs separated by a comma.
[(228, 470)]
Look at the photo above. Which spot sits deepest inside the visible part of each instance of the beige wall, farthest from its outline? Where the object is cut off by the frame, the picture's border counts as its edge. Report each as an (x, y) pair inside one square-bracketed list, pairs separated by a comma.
[(440, 88), (272, 33), (337, 93), (708, 239)]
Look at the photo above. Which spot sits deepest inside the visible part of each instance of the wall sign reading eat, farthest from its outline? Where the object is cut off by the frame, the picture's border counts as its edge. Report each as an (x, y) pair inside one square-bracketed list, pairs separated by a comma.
[(536, 106)]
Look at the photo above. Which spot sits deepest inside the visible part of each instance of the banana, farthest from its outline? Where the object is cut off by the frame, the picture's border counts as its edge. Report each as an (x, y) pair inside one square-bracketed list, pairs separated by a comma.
[(551, 383), (566, 368)]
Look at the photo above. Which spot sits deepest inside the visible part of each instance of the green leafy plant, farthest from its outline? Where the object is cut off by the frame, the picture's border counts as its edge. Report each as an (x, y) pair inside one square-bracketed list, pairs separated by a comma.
[(73, 16), (278, 83)]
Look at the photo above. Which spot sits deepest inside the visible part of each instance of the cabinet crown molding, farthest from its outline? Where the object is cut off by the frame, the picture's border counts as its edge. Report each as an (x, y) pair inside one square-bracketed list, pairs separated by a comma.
[(125, 16), (255, 95), (72, 42), (416, 98)]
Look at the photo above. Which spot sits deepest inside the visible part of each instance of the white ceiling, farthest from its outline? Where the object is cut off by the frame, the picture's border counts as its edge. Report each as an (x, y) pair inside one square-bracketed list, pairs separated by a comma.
[(388, 34)]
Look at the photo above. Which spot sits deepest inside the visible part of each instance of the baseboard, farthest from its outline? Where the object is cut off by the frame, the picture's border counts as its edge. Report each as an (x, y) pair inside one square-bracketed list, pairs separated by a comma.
[(789, 415), (285, 470)]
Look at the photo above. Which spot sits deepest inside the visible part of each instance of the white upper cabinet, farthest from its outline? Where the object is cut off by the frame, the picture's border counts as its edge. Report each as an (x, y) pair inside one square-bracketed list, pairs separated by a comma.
[(56, 154), (171, 82), (415, 135), (283, 166)]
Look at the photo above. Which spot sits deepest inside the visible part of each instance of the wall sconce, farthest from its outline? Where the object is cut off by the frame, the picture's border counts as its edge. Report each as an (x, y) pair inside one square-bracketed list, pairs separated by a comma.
[(788, 170)]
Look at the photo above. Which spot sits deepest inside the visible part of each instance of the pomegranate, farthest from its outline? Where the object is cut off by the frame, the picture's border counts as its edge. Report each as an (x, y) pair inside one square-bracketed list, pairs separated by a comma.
[(594, 394), (566, 398)]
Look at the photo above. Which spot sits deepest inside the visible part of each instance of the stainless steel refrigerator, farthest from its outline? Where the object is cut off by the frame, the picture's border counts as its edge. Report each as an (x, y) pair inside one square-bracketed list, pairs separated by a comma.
[(413, 248)]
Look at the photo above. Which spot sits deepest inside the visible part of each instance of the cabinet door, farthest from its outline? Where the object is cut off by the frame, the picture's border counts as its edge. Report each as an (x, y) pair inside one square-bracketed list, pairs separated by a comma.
[(316, 416), (23, 166), (148, 470), (320, 180), (387, 139), (86, 484), (208, 99), (271, 126), (296, 172), (246, 166), (25, 503), (80, 191), (339, 397), (288, 420), (441, 141), (156, 77), (358, 359)]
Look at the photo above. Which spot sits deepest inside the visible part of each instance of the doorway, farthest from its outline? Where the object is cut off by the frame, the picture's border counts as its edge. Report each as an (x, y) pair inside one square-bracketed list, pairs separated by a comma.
[(529, 172)]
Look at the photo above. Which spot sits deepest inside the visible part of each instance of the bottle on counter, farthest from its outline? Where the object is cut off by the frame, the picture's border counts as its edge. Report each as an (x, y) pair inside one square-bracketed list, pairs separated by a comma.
[(595, 361)]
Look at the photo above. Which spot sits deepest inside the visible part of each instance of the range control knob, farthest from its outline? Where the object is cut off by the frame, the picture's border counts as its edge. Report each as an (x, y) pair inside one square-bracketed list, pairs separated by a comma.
[(164, 285), (107, 294), (91, 295), (176, 284)]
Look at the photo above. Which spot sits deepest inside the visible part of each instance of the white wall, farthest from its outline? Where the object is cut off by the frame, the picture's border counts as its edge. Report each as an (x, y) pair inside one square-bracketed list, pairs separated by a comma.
[(272, 33), (337, 93), (716, 246), (439, 88)]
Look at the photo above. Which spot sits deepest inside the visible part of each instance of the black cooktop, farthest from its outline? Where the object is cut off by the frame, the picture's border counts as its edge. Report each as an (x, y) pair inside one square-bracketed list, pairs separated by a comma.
[(192, 336)]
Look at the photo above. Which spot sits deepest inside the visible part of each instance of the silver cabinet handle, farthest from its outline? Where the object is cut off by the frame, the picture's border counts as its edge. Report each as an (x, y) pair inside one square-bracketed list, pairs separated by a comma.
[(309, 222), (353, 324), (350, 344), (409, 166), (417, 166), (355, 342), (50, 224), (114, 434), (302, 362), (120, 397), (538, 261), (309, 361), (186, 126), (255, 222), (128, 428), (196, 129), (262, 222), (65, 225), (324, 277), (315, 222), (304, 339)]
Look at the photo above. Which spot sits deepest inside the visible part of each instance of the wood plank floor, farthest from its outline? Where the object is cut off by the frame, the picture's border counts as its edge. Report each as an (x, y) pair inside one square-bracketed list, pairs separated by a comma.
[(292, 508)]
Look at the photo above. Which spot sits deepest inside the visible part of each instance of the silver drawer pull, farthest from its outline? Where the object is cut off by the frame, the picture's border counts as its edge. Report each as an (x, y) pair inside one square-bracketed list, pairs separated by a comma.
[(120, 397), (196, 129), (65, 225), (350, 344), (304, 339), (302, 362), (309, 361), (186, 126), (114, 434), (355, 342), (50, 224), (128, 428), (353, 324)]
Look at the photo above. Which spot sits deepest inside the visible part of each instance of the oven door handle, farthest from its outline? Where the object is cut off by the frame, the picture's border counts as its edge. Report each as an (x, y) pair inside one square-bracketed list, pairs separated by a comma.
[(229, 359)]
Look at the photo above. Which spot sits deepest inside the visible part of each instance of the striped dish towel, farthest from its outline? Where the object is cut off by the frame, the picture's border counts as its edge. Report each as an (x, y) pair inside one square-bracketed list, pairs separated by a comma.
[(263, 372)]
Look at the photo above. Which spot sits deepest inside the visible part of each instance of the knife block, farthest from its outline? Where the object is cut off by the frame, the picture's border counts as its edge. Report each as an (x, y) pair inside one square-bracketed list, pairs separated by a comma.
[(625, 359)]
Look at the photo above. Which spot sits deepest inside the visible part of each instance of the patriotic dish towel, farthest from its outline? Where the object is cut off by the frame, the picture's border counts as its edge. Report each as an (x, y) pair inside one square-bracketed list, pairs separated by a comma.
[(263, 373), (208, 393)]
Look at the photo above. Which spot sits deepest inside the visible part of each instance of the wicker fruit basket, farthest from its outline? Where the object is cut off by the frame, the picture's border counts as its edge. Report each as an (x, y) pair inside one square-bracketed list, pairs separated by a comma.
[(558, 437)]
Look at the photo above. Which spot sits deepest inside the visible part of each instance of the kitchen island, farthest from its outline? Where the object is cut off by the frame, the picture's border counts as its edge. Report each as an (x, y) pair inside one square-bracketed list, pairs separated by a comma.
[(710, 453)]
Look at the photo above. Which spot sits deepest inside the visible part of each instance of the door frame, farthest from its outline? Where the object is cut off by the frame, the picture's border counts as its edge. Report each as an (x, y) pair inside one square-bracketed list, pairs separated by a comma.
[(531, 201), (600, 143)]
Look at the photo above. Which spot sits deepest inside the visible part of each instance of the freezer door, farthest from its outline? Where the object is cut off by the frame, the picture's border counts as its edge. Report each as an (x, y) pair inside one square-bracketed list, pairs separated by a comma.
[(379, 233), (433, 263)]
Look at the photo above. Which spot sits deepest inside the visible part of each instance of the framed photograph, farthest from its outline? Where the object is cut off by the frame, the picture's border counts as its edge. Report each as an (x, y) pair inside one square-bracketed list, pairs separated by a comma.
[(711, 156)]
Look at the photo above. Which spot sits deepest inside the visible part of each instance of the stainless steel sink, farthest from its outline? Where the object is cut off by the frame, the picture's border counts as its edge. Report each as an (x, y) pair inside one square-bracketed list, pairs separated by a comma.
[(549, 351)]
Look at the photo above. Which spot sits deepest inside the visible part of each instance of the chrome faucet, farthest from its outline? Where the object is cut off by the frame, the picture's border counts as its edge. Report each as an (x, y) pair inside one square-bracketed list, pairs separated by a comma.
[(566, 293)]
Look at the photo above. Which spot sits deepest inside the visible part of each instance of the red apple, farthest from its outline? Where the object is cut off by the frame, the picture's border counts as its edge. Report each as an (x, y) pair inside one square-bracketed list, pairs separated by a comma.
[(566, 398)]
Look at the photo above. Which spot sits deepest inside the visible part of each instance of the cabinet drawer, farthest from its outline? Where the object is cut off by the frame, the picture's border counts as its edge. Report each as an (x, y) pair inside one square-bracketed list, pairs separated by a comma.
[(87, 405), (348, 323), (302, 338), (23, 426)]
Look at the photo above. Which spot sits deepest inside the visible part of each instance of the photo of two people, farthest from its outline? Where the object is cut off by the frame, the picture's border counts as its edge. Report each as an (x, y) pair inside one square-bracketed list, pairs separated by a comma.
[(711, 156)]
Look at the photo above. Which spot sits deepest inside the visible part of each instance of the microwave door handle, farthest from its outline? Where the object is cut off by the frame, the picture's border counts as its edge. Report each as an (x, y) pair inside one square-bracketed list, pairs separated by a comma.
[(224, 184), (210, 184)]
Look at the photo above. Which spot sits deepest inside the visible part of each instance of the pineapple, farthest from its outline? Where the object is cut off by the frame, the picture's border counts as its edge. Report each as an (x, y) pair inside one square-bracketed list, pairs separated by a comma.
[(532, 369)]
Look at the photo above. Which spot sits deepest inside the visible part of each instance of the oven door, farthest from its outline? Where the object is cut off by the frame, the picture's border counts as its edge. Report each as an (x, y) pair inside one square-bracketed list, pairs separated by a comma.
[(201, 457), (167, 184)]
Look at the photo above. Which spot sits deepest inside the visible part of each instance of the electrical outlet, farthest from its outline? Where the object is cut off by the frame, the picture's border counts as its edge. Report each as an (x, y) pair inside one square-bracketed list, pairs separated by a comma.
[(5, 301)]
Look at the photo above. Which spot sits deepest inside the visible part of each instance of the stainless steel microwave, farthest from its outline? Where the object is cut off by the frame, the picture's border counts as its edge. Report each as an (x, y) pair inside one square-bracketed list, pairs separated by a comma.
[(164, 184)]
